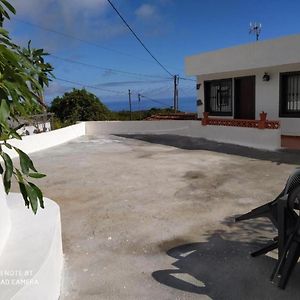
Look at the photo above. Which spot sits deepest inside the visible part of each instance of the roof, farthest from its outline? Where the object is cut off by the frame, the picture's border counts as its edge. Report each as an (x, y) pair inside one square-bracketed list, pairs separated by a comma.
[(257, 55)]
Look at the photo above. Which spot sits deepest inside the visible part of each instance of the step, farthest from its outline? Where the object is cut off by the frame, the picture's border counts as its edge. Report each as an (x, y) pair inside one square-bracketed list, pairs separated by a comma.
[(32, 259), (290, 142)]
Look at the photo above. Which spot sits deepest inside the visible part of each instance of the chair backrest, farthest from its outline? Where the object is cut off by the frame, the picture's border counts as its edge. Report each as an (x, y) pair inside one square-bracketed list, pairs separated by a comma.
[(292, 182)]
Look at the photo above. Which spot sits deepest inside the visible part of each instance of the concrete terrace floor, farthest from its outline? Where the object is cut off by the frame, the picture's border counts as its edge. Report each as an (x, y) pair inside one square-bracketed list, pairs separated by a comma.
[(149, 221)]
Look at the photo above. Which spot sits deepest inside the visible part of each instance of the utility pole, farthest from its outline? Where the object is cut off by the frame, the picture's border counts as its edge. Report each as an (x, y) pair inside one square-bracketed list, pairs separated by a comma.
[(139, 97), (176, 82), (177, 94), (130, 109)]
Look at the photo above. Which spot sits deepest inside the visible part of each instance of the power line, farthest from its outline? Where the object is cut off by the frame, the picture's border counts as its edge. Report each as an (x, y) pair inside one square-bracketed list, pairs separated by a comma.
[(116, 92), (70, 36), (156, 101), (89, 43), (105, 48), (106, 69), (135, 35), (89, 86), (160, 90), (102, 47)]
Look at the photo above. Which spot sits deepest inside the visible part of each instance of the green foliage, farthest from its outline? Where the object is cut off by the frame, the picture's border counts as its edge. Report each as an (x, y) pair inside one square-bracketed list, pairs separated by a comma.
[(23, 74), (79, 105), (56, 123), (5, 8)]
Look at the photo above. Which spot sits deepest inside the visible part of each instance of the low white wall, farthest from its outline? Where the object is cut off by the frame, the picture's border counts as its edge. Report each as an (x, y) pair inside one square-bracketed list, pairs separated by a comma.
[(150, 127), (251, 137), (45, 140), (31, 144), (268, 139)]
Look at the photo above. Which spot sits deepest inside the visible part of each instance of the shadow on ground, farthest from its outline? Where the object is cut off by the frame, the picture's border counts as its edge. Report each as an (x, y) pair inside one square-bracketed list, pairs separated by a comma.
[(191, 143), (222, 268)]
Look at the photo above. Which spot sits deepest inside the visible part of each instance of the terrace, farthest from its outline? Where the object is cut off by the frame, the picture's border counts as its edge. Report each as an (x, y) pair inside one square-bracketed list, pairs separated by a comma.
[(152, 216)]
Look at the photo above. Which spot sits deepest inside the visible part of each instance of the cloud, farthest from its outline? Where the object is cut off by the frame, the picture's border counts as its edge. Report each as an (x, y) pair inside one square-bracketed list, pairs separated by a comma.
[(91, 20), (85, 19), (146, 11), (127, 83), (150, 20), (55, 88), (64, 10)]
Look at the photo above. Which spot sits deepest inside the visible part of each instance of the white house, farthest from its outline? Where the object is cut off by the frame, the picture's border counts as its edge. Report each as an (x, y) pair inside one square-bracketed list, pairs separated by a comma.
[(235, 85)]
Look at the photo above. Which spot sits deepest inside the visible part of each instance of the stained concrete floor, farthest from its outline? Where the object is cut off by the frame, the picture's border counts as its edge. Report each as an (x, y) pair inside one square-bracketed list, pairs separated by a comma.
[(149, 221)]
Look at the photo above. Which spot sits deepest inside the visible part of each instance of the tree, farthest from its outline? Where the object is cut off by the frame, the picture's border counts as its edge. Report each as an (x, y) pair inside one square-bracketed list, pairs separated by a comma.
[(23, 74), (79, 105)]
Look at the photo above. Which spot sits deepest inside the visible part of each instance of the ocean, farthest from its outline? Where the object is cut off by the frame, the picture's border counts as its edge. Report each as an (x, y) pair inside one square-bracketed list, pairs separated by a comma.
[(186, 104)]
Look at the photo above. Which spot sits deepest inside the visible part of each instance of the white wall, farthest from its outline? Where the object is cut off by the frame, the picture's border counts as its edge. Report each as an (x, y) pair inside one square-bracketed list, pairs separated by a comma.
[(272, 56), (266, 94), (45, 229), (31, 144), (270, 53), (150, 127), (256, 138), (290, 126), (41, 141)]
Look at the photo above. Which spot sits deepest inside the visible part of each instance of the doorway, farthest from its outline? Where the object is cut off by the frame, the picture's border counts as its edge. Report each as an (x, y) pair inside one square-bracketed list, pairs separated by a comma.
[(244, 91)]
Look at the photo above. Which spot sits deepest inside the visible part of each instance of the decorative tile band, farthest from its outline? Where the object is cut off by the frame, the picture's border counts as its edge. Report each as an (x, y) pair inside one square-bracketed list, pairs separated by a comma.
[(263, 123)]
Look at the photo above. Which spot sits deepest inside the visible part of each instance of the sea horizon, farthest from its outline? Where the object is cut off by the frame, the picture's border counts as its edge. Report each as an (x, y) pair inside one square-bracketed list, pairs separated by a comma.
[(186, 104)]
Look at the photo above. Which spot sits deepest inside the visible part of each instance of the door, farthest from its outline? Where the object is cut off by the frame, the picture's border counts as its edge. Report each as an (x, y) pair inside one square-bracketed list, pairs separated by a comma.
[(244, 92)]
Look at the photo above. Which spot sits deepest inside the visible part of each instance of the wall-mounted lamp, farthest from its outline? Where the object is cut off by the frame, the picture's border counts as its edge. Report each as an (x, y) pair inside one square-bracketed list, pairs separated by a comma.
[(266, 77), (198, 86), (199, 102)]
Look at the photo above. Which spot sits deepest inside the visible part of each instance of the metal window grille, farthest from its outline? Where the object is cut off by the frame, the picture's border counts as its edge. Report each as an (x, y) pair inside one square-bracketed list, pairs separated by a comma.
[(219, 94), (291, 92)]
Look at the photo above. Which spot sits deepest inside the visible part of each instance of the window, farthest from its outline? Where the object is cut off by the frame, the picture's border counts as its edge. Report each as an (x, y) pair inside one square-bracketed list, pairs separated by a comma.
[(218, 97), (290, 94)]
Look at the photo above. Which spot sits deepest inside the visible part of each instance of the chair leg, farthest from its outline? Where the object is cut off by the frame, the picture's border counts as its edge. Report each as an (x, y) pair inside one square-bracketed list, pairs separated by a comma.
[(281, 260), (265, 249), (291, 261), (262, 211)]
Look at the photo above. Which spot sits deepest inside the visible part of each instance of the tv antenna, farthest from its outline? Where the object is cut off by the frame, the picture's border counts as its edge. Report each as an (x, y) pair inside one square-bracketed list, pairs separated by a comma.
[(255, 28)]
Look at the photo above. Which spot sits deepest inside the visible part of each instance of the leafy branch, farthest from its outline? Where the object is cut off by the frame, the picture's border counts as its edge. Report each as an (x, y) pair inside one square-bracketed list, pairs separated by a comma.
[(23, 75), (32, 194)]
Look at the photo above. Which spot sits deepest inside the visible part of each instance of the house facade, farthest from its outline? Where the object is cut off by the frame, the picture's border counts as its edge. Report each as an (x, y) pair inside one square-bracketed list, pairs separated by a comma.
[(242, 82)]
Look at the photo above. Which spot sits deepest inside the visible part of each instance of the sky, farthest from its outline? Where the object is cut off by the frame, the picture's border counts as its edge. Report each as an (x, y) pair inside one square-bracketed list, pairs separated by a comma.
[(90, 46)]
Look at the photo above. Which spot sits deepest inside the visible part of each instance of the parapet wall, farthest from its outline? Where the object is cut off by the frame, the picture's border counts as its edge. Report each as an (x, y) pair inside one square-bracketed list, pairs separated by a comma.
[(31, 144), (42, 141), (251, 137)]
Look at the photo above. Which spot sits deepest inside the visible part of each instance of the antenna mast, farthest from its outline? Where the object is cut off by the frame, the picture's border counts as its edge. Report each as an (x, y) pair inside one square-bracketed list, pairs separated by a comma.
[(255, 28)]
